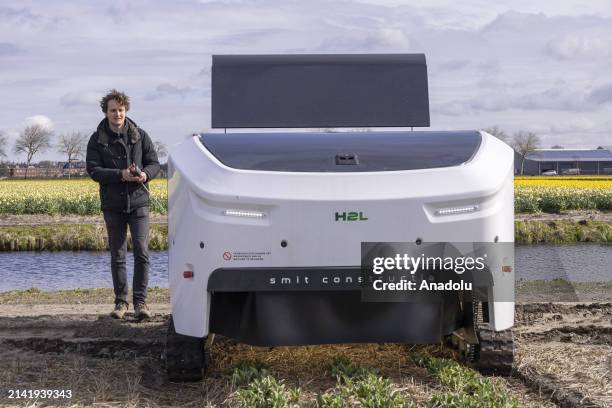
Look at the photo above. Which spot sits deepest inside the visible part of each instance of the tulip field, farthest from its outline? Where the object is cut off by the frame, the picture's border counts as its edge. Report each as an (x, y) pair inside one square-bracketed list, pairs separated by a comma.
[(556, 194), (80, 196), (77, 196)]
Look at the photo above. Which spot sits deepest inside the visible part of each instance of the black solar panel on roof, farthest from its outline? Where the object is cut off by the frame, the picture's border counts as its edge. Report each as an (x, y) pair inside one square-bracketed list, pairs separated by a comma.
[(314, 91)]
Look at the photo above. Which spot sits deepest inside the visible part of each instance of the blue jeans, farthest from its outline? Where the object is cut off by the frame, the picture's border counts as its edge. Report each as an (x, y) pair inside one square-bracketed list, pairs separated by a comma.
[(116, 226)]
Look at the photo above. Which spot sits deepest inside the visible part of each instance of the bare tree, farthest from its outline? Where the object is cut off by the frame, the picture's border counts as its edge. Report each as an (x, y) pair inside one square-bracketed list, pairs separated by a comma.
[(161, 149), (33, 139), (557, 147), (73, 145), (498, 133), (3, 140), (525, 143)]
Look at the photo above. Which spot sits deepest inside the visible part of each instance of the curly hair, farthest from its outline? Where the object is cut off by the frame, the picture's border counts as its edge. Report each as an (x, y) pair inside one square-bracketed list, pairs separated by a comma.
[(121, 98)]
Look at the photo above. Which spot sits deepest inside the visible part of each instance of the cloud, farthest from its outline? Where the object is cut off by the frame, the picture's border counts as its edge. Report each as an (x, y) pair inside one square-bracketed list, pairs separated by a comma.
[(569, 47), (41, 120), (602, 94), (8, 49), (380, 40), (80, 98), (24, 20), (167, 89), (513, 21), (454, 64), (249, 36), (580, 124), (555, 99), (488, 63)]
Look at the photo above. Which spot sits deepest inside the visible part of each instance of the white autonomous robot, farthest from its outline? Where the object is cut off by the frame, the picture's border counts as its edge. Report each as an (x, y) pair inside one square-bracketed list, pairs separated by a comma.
[(266, 227)]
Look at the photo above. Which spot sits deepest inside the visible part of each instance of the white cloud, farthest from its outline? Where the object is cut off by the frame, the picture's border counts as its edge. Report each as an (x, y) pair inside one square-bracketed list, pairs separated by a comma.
[(602, 94), (167, 89), (41, 120), (579, 124), (569, 47), (87, 98), (510, 63)]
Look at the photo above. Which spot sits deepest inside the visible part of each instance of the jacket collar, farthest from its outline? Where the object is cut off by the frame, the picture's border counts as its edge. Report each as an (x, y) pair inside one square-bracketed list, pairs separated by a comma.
[(105, 139)]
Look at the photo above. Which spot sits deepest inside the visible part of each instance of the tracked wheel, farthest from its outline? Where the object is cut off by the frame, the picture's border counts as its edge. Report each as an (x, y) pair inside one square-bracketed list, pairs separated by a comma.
[(185, 356), (494, 353)]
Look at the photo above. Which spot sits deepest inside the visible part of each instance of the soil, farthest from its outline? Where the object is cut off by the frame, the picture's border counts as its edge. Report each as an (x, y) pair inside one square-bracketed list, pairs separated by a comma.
[(573, 215), (564, 358), (10, 220)]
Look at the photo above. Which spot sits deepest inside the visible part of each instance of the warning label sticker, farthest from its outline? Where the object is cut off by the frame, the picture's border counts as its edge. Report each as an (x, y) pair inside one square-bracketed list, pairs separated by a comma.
[(250, 256)]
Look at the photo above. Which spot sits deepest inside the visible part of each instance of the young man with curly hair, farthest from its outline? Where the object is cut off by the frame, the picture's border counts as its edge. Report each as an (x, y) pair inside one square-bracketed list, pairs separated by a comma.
[(122, 159)]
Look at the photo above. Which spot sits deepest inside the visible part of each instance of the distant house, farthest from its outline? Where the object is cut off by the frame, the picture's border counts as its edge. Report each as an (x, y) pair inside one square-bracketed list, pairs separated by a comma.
[(34, 172), (76, 168), (567, 161)]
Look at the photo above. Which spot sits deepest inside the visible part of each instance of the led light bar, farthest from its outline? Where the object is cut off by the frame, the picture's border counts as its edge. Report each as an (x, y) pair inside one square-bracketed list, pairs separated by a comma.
[(243, 213), (457, 210)]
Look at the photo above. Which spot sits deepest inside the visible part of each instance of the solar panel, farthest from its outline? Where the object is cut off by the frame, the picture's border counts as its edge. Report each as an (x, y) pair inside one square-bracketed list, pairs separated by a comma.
[(317, 91)]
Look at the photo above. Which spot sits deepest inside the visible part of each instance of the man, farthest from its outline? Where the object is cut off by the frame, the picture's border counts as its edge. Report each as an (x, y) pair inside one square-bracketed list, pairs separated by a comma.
[(115, 152)]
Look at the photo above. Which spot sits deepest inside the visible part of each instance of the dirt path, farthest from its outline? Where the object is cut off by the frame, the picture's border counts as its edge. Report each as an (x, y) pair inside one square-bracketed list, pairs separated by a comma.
[(564, 355)]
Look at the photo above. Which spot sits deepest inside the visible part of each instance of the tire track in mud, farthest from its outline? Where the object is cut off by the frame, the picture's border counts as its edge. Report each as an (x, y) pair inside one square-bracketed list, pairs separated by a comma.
[(94, 336), (100, 348), (549, 386), (542, 326), (588, 334)]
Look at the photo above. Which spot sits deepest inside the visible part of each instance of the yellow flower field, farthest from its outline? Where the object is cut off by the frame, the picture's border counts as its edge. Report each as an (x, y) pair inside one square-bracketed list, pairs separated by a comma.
[(77, 196), (80, 196), (575, 182)]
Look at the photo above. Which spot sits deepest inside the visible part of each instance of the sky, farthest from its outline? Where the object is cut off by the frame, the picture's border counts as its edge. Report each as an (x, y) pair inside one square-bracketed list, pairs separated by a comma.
[(540, 66)]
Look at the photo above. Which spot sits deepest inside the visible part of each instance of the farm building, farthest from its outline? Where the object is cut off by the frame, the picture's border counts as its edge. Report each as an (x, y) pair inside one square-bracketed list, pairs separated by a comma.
[(566, 161)]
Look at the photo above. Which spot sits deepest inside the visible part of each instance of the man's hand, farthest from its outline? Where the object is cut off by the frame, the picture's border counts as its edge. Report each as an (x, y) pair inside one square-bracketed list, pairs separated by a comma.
[(126, 175), (142, 178)]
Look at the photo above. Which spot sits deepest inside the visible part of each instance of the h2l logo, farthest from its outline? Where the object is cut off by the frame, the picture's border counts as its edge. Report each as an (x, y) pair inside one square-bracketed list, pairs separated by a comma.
[(351, 216)]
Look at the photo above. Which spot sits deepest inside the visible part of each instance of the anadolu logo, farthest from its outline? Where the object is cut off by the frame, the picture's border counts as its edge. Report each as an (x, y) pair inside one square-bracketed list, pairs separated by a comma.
[(351, 216)]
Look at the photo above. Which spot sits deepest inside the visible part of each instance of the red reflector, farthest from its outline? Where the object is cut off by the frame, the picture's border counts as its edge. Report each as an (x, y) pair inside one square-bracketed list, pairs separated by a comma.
[(506, 268), (188, 274)]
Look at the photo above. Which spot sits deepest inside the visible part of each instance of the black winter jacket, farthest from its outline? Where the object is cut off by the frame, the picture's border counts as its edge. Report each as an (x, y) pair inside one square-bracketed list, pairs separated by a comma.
[(108, 154)]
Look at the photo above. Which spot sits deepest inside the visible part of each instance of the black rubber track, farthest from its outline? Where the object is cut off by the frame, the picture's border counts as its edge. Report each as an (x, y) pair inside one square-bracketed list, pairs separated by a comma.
[(496, 351), (185, 356)]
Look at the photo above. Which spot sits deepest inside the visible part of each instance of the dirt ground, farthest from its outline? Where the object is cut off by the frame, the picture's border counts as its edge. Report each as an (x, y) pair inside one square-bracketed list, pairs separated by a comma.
[(564, 358), (10, 220)]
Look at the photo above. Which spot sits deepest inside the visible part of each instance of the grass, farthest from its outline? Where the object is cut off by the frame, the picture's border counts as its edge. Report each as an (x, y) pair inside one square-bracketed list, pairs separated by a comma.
[(360, 386), (562, 232), (92, 237), (465, 387), (70, 237)]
